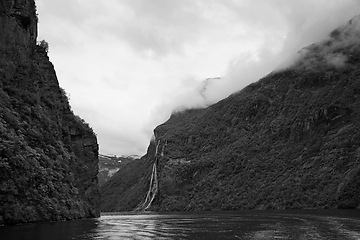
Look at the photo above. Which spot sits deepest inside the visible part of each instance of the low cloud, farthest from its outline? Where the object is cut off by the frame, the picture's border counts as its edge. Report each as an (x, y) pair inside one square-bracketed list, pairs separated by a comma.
[(306, 22), (337, 60), (329, 52)]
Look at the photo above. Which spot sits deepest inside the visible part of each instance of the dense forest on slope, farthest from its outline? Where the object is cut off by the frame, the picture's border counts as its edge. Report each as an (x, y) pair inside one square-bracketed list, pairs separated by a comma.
[(48, 155), (290, 140)]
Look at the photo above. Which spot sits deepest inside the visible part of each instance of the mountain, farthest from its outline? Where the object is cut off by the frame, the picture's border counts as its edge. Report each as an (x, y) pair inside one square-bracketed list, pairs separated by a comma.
[(48, 155), (109, 165), (289, 140)]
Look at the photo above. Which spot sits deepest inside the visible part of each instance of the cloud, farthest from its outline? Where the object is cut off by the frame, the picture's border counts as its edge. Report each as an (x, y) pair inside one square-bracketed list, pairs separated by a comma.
[(156, 28), (326, 53), (285, 27), (336, 60), (159, 28), (128, 64), (305, 22)]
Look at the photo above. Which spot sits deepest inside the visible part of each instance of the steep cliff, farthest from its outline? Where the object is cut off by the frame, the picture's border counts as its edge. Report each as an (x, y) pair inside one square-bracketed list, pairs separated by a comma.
[(290, 140), (48, 156)]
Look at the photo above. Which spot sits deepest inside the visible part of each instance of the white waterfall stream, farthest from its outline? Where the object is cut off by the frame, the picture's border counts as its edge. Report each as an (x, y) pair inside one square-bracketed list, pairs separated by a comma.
[(153, 186)]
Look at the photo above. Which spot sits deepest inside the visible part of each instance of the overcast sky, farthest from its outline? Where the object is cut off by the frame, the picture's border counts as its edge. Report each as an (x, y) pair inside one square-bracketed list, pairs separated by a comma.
[(127, 64)]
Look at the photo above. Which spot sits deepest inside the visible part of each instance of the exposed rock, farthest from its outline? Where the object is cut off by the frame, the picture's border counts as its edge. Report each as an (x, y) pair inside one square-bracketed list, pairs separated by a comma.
[(48, 156), (290, 140)]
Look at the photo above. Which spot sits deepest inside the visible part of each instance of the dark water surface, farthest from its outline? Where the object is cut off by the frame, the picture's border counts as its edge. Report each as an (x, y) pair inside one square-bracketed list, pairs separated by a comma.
[(302, 224)]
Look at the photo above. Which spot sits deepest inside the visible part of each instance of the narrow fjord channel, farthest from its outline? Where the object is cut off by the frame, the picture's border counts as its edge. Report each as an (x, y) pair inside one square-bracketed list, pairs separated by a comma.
[(293, 224)]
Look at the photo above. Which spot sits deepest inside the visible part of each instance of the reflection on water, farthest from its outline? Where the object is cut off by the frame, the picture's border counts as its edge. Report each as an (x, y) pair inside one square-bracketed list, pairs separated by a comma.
[(302, 225)]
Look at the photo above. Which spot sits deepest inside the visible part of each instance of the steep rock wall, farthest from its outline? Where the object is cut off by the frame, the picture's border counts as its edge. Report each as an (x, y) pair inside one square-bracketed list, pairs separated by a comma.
[(290, 140), (48, 155)]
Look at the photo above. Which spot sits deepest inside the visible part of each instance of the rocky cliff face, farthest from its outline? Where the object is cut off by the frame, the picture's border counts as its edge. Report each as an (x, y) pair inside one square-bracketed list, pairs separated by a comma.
[(48, 156), (290, 140)]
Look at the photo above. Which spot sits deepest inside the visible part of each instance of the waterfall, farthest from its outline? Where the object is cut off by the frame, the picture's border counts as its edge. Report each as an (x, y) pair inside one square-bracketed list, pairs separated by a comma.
[(153, 186)]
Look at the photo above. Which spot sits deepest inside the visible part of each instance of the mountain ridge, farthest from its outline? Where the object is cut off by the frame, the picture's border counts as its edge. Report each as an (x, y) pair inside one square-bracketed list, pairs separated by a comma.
[(289, 140)]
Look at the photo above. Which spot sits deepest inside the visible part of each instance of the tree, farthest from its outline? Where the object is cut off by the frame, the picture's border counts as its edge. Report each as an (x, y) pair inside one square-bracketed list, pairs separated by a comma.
[(44, 44)]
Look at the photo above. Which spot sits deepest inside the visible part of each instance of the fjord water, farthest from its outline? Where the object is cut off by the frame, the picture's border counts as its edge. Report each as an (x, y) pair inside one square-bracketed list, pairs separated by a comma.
[(300, 224)]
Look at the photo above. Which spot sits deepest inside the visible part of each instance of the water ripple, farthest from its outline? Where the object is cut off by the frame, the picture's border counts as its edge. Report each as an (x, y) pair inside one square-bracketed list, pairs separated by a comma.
[(244, 225)]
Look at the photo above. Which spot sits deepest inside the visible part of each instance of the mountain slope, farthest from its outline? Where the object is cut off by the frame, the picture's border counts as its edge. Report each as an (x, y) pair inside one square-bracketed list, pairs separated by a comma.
[(48, 156), (109, 165), (290, 140)]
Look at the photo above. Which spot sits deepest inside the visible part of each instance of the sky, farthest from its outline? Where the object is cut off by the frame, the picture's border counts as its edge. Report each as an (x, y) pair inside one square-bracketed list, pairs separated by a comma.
[(126, 65)]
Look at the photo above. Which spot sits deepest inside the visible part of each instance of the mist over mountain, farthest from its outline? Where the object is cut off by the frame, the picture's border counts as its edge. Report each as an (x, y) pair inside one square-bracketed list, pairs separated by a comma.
[(301, 24), (289, 140)]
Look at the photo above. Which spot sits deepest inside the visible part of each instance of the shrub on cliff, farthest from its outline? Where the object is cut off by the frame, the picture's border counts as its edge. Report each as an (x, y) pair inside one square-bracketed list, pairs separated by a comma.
[(44, 45)]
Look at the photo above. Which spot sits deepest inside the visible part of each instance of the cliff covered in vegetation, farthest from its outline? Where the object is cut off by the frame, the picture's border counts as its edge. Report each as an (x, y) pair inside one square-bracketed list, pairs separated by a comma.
[(290, 140), (48, 155)]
